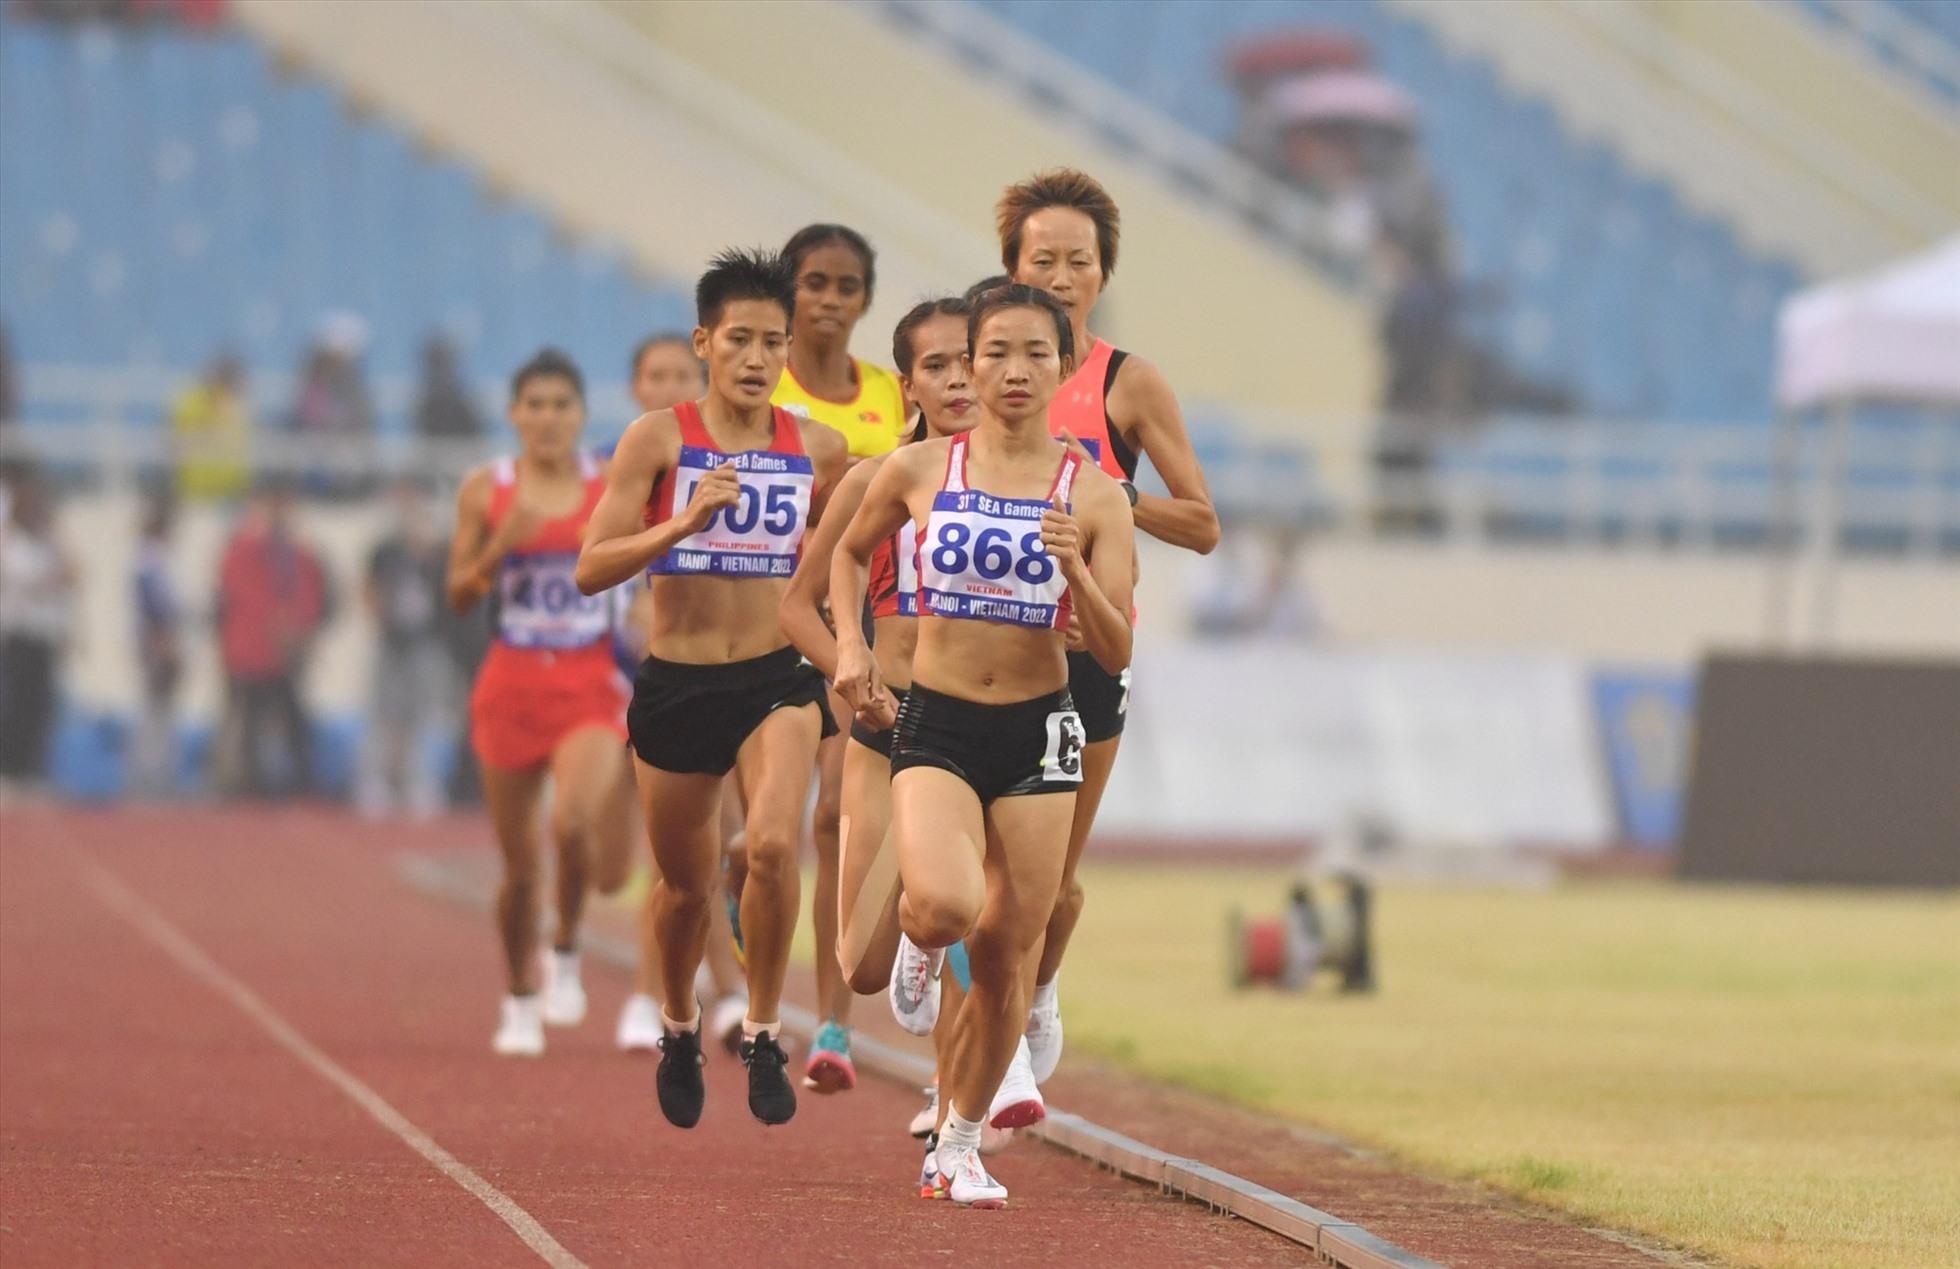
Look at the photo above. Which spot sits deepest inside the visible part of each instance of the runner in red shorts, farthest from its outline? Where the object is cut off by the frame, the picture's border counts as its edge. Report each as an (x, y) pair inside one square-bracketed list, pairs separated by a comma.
[(549, 701)]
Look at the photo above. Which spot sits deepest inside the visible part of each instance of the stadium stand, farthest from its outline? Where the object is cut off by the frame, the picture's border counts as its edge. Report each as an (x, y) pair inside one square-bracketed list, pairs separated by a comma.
[(173, 194)]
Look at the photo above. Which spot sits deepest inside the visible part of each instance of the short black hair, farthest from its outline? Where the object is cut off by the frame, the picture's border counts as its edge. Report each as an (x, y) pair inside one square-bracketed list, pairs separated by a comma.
[(659, 339), (810, 237), (738, 274), (548, 363), (908, 325), (1016, 295), (985, 285)]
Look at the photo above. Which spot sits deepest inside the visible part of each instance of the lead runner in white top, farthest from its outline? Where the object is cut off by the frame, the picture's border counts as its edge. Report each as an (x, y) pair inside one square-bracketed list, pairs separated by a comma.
[(989, 874)]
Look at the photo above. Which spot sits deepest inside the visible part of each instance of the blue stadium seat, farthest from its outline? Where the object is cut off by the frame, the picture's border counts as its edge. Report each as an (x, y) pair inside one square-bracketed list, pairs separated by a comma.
[(169, 195)]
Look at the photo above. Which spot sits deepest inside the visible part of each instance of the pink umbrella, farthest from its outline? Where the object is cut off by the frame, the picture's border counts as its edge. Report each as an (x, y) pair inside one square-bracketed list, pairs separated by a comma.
[(1341, 97)]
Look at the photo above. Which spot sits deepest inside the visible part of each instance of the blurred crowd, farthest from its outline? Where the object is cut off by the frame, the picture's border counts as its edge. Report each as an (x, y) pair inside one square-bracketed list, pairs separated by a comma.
[(273, 595)]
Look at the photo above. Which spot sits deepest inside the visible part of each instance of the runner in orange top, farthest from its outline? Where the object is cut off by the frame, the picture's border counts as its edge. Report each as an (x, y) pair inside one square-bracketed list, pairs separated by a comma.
[(1059, 231), (549, 700)]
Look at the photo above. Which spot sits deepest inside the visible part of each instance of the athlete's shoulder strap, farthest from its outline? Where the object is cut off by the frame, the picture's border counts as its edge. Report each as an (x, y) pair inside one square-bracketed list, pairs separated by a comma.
[(504, 471), (789, 432), (694, 432), (1116, 359), (955, 481), (1064, 486)]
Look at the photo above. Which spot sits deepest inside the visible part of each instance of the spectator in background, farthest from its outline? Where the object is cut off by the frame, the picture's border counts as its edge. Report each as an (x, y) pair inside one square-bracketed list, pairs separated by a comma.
[(443, 409), (403, 591), (333, 409), (333, 399), (274, 596), (37, 601), (211, 430), (159, 653)]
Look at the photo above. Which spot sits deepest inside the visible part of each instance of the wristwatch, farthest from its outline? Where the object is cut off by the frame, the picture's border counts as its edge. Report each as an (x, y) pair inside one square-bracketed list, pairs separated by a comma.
[(1130, 491)]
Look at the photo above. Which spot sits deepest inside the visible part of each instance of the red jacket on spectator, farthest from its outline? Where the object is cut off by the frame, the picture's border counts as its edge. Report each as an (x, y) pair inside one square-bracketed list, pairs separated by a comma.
[(272, 599)]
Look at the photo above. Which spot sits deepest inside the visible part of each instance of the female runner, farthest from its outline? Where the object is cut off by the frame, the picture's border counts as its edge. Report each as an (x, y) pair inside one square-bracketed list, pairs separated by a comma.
[(665, 370), (547, 700), (712, 499), (1059, 231), (836, 270), (1020, 537)]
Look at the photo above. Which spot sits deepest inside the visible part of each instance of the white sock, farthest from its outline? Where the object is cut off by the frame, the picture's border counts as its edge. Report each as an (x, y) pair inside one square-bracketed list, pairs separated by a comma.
[(751, 1028), (959, 1133), (692, 1024), (1044, 995)]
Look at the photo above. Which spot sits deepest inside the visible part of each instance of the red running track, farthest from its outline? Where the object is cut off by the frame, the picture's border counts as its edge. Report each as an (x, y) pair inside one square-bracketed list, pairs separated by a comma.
[(150, 1117)]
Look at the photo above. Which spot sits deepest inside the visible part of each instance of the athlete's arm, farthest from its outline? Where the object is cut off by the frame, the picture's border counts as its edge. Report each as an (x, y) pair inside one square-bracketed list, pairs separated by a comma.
[(801, 612), (1095, 548), (882, 513), (617, 545), (468, 580), (830, 458), (1142, 398)]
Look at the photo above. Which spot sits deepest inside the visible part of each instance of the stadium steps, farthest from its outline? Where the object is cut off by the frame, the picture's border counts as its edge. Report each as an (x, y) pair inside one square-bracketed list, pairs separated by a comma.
[(1807, 146)]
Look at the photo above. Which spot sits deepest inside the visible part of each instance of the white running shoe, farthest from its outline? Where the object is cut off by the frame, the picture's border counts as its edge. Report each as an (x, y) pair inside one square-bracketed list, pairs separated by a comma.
[(967, 1181), (639, 1025), (929, 1187), (726, 1020), (1045, 1032), (915, 986), (564, 994), (522, 1031), (1017, 1103), (928, 1117)]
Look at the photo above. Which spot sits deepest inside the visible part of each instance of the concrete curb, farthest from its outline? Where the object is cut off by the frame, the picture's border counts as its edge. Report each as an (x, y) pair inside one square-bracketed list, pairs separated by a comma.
[(1333, 1240)]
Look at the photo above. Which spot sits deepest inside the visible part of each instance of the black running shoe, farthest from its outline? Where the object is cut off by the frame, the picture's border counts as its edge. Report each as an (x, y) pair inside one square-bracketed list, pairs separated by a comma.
[(771, 1099), (679, 1078)]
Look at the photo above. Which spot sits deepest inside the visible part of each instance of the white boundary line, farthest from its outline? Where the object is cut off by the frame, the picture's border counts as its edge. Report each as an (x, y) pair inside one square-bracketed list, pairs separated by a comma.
[(1333, 1240), (152, 924)]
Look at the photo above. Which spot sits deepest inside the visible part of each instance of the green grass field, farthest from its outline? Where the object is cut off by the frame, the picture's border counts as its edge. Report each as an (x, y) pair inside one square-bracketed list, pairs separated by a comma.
[(1769, 1077)]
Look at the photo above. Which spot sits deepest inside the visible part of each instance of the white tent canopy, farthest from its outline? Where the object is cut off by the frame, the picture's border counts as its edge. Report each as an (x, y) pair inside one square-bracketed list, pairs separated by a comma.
[(1890, 334)]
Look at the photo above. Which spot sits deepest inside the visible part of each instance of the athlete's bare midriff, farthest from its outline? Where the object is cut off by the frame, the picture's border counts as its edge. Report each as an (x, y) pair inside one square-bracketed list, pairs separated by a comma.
[(990, 663), (894, 643), (716, 620)]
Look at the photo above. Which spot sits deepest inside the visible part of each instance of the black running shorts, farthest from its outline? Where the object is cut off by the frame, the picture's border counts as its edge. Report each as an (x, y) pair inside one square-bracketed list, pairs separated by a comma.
[(1002, 751), (1103, 698), (693, 719), (880, 741)]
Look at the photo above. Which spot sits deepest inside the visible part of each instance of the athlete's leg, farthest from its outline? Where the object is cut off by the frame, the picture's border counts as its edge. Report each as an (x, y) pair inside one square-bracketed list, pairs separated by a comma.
[(867, 873), (775, 762), (833, 993), (1098, 760), (940, 840), (617, 829), (1026, 848), (680, 810), (585, 782), (513, 796), (951, 996)]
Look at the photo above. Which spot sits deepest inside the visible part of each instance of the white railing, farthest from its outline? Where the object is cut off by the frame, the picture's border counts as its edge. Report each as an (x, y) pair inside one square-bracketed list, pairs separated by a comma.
[(1656, 487)]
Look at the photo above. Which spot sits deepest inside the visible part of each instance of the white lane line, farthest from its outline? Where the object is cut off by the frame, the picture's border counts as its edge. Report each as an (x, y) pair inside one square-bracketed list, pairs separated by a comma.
[(127, 904)]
